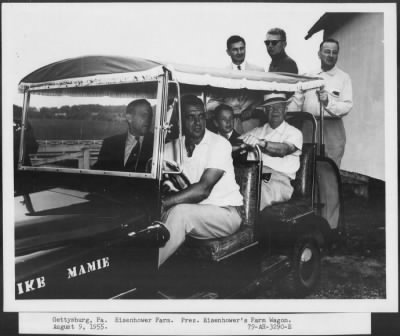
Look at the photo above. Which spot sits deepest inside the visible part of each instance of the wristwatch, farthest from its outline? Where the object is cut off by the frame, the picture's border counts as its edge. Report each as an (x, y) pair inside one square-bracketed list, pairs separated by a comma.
[(264, 143)]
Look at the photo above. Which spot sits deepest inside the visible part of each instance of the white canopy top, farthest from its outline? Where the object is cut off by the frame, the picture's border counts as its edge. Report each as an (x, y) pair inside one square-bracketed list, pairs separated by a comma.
[(89, 71)]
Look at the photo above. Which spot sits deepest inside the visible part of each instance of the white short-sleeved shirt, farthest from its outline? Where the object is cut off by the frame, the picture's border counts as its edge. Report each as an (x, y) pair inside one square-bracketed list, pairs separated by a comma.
[(213, 151), (284, 133)]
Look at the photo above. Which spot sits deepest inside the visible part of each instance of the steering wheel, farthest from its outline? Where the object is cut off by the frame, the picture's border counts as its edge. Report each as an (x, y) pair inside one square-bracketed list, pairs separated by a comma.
[(174, 182), (171, 182)]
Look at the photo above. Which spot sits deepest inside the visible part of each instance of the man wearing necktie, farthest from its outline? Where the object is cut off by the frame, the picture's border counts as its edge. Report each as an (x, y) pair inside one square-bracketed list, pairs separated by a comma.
[(236, 50), (244, 102), (131, 150)]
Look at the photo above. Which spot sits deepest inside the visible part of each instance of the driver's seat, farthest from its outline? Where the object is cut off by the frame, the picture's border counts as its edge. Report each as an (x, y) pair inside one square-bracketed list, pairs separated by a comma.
[(248, 177)]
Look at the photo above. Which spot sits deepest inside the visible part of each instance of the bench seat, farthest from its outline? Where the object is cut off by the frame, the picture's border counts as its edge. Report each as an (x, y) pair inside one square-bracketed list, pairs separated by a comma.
[(248, 178), (287, 211), (220, 248)]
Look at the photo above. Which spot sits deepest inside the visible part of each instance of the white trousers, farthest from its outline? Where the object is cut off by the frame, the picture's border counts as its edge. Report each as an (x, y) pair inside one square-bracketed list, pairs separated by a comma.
[(201, 221), (277, 189)]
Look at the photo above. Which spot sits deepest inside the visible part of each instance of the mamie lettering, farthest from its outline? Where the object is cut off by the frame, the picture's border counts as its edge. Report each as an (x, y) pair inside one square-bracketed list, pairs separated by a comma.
[(92, 266)]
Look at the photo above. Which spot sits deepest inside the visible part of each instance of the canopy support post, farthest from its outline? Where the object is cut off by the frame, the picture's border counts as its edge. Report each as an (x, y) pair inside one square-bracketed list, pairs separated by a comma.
[(321, 130)]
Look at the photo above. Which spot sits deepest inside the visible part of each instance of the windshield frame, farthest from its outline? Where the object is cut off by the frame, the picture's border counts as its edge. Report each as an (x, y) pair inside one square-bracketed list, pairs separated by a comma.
[(155, 170)]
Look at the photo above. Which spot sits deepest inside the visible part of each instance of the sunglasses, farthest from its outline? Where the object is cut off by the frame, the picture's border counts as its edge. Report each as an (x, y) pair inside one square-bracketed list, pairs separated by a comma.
[(273, 42)]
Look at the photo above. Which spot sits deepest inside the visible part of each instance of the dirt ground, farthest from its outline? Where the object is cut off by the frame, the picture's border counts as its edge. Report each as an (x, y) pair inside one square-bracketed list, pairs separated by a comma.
[(357, 268)]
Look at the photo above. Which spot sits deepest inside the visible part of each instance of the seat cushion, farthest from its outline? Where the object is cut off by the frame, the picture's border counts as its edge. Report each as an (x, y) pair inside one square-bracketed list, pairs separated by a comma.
[(220, 248), (286, 211), (247, 177)]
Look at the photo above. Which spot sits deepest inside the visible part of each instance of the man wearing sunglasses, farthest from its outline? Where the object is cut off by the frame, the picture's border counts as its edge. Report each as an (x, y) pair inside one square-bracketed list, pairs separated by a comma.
[(275, 42)]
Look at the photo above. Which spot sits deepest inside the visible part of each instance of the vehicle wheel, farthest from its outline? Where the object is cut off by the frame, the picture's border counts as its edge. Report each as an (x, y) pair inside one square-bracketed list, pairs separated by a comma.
[(306, 268)]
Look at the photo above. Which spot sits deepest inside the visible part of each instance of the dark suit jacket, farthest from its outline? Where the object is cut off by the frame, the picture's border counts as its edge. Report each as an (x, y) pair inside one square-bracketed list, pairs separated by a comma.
[(112, 153)]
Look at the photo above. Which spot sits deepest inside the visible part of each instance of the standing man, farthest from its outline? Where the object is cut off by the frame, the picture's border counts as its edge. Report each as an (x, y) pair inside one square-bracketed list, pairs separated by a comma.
[(336, 98), (275, 42), (236, 50), (210, 206), (131, 150), (243, 104), (281, 146)]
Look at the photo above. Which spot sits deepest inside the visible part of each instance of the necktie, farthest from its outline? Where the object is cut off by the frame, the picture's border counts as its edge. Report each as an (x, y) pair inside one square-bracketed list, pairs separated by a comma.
[(239, 67), (133, 159)]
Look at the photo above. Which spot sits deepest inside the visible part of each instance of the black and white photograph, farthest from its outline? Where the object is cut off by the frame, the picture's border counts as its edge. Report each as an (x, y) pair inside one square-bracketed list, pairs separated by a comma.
[(199, 157)]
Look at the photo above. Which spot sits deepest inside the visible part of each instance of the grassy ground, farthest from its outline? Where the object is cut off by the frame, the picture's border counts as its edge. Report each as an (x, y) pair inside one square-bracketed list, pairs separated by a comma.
[(357, 268)]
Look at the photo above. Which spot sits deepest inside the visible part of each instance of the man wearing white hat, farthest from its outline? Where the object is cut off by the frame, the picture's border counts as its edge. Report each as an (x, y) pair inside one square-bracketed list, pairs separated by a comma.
[(281, 145)]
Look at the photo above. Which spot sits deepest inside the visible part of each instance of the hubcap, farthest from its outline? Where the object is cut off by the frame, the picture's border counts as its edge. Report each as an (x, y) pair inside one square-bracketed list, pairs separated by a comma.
[(307, 265), (306, 255)]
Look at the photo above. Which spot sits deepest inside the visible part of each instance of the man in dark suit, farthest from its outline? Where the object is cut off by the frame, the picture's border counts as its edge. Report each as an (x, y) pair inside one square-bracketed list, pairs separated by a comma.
[(223, 121), (129, 151)]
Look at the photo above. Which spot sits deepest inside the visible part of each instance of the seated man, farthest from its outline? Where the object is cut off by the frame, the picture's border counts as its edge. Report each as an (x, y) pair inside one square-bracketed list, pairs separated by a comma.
[(209, 207), (223, 121), (281, 145), (131, 150)]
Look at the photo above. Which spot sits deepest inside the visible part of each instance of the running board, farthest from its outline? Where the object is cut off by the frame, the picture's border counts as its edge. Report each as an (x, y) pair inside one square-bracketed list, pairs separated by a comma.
[(270, 268)]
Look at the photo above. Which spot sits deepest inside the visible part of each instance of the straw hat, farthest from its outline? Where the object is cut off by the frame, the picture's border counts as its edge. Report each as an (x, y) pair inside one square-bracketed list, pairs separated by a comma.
[(274, 98)]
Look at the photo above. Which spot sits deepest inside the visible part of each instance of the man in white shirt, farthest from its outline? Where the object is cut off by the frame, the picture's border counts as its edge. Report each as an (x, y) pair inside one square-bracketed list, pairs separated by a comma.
[(336, 98), (281, 146), (209, 206), (337, 101), (236, 50), (244, 103)]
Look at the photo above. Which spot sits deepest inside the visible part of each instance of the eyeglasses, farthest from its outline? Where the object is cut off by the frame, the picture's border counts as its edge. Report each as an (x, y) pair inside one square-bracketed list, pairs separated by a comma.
[(273, 42)]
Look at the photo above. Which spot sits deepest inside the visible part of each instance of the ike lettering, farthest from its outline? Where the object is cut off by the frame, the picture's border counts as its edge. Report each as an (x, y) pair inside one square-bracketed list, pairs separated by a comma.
[(31, 285)]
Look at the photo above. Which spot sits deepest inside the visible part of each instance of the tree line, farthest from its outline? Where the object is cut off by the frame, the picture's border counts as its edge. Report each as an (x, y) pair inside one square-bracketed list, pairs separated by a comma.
[(75, 112)]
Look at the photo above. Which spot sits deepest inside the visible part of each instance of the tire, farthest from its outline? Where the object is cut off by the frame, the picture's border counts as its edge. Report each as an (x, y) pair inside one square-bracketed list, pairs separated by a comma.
[(305, 269)]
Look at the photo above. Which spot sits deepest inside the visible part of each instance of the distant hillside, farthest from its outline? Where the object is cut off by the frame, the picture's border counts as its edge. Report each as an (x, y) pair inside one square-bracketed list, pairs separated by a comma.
[(75, 129), (79, 112)]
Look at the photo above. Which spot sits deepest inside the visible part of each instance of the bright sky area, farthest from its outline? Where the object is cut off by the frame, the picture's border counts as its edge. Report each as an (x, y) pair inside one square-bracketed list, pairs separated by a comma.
[(35, 35)]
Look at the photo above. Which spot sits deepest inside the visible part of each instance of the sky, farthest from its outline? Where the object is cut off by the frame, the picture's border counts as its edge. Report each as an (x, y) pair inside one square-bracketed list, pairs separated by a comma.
[(35, 35)]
